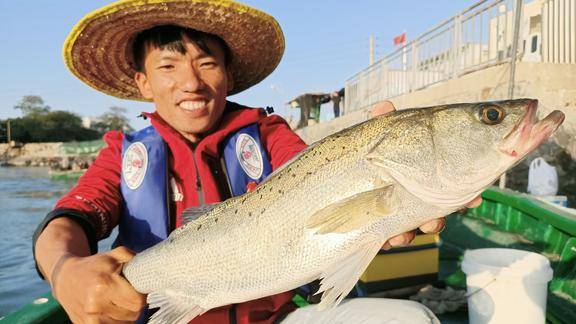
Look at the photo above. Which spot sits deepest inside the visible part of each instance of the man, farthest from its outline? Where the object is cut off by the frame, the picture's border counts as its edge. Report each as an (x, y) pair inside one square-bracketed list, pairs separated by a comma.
[(309, 104), (336, 97), (167, 53)]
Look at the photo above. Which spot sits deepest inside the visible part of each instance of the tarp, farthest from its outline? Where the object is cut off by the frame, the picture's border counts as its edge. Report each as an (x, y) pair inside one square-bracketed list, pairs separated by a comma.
[(78, 148)]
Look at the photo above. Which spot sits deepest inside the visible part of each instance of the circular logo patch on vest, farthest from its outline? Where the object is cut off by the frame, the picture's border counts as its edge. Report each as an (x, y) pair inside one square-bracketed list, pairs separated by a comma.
[(249, 156), (134, 165)]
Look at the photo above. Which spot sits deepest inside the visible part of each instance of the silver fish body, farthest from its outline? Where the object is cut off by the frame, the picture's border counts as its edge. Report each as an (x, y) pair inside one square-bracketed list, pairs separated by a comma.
[(327, 212)]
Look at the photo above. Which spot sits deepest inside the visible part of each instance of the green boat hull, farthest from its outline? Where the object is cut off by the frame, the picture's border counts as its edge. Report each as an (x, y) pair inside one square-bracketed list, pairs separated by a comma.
[(66, 175), (507, 219)]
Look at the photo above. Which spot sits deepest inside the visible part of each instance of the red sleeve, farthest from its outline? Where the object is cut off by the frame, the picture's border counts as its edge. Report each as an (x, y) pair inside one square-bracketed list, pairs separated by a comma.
[(280, 141), (97, 193)]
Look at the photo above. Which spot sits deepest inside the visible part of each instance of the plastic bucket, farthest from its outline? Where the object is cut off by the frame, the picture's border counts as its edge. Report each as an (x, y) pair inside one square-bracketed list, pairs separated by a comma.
[(506, 286)]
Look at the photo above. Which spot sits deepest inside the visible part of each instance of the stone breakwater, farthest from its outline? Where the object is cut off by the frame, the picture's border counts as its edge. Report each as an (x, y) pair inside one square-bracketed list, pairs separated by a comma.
[(53, 155)]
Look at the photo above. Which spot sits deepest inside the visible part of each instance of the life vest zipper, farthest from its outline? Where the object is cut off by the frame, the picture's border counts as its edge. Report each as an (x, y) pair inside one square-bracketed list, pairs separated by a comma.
[(171, 217), (199, 191)]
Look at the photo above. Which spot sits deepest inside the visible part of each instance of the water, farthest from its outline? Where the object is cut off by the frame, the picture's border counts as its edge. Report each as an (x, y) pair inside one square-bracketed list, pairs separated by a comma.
[(26, 196)]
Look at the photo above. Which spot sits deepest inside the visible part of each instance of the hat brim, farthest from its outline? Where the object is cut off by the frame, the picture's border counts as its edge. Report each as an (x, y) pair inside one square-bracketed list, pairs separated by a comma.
[(99, 48)]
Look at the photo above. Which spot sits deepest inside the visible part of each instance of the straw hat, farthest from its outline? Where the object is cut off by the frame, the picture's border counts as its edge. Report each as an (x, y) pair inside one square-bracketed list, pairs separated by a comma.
[(98, 50)]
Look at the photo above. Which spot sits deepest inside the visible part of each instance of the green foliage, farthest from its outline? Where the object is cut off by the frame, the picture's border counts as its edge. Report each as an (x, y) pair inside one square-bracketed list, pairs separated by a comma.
[(114, 119), (42, 124), (53, 126), (32, 105)]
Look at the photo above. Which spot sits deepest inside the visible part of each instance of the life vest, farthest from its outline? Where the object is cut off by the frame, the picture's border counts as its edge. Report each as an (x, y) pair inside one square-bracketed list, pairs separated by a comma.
[(144, 187), (146, 216), (245, 159)]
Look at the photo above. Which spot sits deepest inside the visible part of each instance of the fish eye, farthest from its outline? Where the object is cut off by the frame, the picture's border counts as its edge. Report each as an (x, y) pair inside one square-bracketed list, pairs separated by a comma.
[(492, 114)]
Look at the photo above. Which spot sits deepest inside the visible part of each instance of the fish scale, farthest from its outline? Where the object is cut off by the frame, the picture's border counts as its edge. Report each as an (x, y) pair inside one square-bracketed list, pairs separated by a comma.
[(327, 212)]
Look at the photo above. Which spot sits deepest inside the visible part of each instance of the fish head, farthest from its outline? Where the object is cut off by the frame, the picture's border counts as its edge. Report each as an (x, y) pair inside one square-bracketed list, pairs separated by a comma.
[(452, 153), (528, 132)]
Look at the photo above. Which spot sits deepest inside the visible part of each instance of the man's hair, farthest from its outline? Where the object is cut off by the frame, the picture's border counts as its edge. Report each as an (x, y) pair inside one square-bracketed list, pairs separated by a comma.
[(171, 37)]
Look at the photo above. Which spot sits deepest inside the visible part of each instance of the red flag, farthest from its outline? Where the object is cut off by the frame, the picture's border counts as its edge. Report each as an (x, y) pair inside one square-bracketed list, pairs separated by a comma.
[(400, 39)]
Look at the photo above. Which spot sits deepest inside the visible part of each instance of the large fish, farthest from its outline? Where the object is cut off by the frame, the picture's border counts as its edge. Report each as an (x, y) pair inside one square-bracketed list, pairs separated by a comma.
[(327, 212)]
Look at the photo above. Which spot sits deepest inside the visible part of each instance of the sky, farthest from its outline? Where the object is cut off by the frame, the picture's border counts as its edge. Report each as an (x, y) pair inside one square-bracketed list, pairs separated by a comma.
[(327, 42)]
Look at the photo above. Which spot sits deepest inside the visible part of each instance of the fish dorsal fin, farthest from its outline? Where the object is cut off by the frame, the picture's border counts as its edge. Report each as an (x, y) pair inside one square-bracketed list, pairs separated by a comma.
[(174, 308), (339, 279), (354, 212), (193, 213)]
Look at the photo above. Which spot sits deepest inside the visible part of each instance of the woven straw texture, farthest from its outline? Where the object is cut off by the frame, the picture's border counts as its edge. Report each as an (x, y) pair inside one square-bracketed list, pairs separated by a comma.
[(98, 49)]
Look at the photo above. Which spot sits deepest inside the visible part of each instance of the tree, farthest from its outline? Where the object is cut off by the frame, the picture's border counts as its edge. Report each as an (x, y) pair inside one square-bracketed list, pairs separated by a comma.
[(62, 126), (40, 124), (32, 105), (114, 119), (53, 126)]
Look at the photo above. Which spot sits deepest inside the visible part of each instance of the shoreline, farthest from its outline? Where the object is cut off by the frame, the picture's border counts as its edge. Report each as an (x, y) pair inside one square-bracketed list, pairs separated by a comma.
[(59, 156)]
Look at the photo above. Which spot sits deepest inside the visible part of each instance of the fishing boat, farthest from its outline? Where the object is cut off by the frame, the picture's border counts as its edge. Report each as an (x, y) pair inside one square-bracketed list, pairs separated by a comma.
[(506, 219), (66, 175)]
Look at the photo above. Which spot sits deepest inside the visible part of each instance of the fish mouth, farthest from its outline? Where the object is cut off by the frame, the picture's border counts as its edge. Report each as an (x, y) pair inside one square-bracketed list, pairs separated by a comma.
[(530, 132)]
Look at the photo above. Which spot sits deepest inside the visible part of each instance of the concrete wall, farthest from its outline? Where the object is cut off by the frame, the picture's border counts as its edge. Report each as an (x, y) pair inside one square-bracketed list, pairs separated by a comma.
[(554, 85), (316, 132)]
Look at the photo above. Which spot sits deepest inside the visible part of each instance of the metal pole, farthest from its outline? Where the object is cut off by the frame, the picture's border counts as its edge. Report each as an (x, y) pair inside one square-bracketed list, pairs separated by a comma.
[(513, 56), (8, 137), (457, 43), (371, 49)]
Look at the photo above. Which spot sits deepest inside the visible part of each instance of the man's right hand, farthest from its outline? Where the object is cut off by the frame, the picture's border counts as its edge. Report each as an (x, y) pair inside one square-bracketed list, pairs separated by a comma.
[(92, 289)]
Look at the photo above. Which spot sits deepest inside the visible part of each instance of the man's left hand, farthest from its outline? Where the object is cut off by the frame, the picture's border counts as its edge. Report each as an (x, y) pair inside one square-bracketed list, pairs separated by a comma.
[(431, 227)]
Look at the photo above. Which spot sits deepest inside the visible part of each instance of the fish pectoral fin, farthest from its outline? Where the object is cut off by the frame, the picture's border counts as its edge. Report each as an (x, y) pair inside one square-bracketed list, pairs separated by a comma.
[(354, 212), (193, 213), (174, 308), (339, 279)]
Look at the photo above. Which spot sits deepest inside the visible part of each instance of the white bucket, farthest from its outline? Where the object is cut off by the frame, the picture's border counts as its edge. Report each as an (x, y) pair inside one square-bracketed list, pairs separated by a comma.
[(506, 286)]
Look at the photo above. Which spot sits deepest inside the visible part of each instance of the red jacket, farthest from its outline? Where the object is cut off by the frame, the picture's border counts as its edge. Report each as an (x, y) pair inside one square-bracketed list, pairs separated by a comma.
[(97, 193)]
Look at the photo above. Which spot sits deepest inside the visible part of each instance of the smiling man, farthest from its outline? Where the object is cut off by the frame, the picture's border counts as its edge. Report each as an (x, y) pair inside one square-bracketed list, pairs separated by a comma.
[(186, 77), (186, 57)]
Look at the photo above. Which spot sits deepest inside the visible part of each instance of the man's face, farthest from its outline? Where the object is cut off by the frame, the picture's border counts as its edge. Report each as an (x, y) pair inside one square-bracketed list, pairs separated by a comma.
[(189, 90)]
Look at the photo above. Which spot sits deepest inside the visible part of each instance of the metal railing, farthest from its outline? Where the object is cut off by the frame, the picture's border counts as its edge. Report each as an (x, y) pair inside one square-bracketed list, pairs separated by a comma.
[(559, 31), (476, 38)]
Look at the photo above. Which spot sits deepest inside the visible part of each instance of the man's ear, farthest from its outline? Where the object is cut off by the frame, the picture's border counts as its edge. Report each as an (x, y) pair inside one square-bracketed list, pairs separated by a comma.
[(230, 80), (143, 85)]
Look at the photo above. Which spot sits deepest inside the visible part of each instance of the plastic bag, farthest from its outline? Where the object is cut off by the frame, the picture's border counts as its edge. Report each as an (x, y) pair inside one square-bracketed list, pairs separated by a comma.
[(542, 178)]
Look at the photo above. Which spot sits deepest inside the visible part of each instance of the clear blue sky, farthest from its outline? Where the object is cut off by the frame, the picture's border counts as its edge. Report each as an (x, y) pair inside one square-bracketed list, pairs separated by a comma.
[(326, 43)]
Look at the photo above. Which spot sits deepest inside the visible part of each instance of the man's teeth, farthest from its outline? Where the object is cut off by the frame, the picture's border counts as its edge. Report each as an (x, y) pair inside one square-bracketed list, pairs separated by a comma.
[(192, 105)]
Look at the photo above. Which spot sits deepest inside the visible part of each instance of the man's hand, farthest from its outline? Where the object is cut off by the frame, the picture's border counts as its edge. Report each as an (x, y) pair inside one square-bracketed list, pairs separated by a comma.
[(433, 226), (382, 108), (92, 290)]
